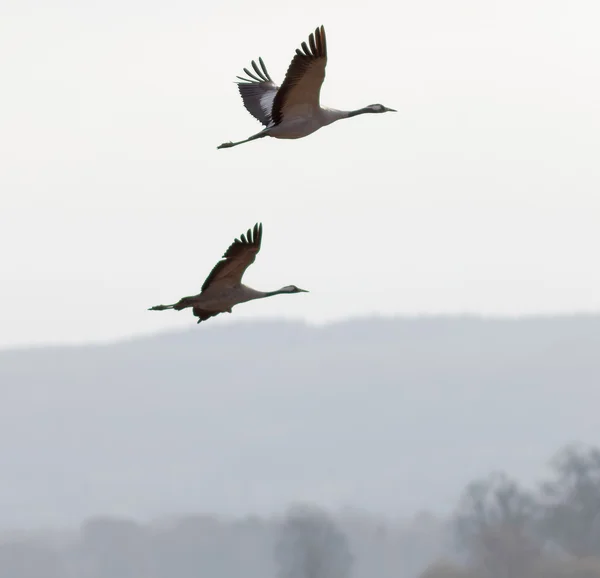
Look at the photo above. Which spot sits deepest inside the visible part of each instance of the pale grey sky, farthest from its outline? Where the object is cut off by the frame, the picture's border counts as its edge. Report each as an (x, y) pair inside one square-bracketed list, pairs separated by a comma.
[(482, 194)]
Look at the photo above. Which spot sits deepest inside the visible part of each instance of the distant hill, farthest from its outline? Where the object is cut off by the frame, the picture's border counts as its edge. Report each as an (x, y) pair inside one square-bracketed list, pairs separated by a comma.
[(388, 414)]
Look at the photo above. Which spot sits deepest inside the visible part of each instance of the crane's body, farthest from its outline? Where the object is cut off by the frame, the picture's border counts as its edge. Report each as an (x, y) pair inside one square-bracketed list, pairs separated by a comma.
[(223, 288), (293, 110), (302, 125), (217, 298)]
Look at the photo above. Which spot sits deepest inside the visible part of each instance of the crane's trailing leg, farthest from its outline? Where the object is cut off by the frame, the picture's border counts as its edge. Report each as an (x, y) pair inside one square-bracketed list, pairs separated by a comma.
[(160, 307), (181, 304), (228, 145)]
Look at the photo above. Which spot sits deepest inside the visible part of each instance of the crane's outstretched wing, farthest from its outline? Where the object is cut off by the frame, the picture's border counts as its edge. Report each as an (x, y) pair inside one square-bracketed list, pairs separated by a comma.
[(240, 255), (300, 91), (258, 92)]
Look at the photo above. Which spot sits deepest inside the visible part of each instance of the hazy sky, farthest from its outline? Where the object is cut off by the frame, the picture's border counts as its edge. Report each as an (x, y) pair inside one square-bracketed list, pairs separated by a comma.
[(482, 194)]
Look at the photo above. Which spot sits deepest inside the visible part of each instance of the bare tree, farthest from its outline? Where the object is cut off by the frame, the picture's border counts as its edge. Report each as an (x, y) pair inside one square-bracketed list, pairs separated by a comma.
[(113, 547), (572, 501), (495, 524), (310, 545)]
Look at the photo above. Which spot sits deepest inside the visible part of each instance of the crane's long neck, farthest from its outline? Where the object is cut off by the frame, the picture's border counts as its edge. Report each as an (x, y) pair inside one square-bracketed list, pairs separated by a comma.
[(271, 293), (333, 114), (359, 111), (250, 294)]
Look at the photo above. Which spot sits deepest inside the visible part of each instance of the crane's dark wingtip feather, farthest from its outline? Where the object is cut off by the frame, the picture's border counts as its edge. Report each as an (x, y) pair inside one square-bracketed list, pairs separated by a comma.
[(258, 71), (317, 45), (313, 44), (321, 41), (260, 60), (254, 77)]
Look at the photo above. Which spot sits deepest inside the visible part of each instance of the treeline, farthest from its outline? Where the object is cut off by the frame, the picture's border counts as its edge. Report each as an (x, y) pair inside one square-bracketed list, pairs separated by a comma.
[(304, 541), (552, 531), (499, 530)]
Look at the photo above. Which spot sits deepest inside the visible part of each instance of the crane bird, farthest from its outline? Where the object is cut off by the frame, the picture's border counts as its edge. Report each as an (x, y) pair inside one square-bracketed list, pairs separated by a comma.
[(223, 287), (293, 110)]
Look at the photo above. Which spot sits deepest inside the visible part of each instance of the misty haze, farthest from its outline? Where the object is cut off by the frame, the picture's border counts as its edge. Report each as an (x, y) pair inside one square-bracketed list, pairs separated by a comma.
[(200, 441)]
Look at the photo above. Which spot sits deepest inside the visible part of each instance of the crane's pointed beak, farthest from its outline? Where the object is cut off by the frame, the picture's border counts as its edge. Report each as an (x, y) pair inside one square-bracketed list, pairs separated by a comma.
[(390, 109), (303, 290)]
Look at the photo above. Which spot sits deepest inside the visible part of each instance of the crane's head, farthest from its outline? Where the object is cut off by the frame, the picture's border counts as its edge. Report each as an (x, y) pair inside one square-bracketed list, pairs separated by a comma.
[(371, 108), (287, 289), (292, 289), (379, 108)]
